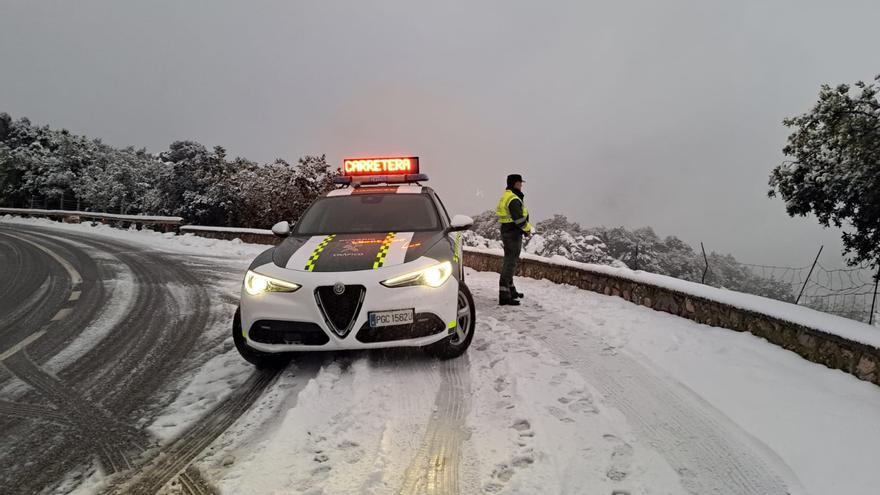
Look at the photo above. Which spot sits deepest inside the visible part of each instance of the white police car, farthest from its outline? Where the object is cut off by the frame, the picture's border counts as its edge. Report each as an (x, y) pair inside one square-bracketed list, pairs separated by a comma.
[(374, 264)]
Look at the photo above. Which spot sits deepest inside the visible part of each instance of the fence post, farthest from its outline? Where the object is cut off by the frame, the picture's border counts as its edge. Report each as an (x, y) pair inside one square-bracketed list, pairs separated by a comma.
[(637, 256), (706, 259), (874, 300), (809, 275)]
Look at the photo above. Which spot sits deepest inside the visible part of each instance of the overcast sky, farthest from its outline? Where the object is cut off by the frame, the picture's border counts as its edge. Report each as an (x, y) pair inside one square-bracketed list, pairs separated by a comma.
[(665, 114)]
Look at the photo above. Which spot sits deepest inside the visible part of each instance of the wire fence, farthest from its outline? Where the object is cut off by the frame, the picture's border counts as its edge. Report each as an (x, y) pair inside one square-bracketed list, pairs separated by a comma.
[(851, 292), (848, 292)]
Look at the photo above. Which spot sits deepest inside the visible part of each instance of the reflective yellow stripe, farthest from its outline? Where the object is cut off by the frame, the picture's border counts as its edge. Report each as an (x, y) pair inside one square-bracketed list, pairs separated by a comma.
[(452, 324), (310, 264), (503, 209), (383, 251), (457, 248)]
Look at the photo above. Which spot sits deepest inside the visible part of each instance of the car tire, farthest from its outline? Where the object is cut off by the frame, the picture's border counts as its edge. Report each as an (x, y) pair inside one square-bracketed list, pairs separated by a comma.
[(453, 346), (262, 360)]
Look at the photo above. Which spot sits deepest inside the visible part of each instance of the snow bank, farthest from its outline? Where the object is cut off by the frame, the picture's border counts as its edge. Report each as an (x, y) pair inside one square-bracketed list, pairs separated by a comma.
[(91, 214), (800, 315), (233, 230)]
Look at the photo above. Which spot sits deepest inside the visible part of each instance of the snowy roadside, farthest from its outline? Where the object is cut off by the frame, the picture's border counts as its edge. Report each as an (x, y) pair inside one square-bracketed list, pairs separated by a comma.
[(822, 423)]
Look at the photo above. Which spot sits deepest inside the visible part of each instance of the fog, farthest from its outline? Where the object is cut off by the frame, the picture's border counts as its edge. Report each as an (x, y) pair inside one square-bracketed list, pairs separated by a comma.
[(665, 114)]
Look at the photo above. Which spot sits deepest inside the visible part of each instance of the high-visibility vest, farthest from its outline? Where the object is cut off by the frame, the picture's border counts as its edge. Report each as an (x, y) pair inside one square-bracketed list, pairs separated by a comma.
[(503, 209)]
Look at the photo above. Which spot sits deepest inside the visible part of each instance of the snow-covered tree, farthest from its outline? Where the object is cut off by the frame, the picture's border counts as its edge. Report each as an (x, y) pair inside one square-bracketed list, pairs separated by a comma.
[(486, 225), (834, 171), (279, 191), (559, 237)]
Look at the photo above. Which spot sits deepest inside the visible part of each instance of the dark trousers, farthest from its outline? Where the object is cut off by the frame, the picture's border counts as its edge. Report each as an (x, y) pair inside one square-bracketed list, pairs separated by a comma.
[(512, 241)]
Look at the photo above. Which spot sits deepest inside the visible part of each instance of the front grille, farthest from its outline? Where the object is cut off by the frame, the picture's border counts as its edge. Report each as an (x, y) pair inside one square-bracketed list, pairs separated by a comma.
[(425, 324), (288, 332), (340, 310)]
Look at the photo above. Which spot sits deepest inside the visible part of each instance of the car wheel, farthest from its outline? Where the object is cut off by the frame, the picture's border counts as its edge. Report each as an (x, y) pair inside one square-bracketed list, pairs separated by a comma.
[(456, 344), (262, 360)]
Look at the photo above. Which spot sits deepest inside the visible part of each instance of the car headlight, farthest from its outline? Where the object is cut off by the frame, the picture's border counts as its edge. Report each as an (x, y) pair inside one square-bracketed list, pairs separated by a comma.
[(433, 276), (256, 284)]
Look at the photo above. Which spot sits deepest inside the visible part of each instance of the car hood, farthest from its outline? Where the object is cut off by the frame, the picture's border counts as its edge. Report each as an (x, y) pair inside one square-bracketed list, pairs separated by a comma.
[(350, 252)]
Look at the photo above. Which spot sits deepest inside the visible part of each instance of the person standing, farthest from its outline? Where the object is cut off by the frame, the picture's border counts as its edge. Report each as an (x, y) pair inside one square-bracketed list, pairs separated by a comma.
[(514, 218)]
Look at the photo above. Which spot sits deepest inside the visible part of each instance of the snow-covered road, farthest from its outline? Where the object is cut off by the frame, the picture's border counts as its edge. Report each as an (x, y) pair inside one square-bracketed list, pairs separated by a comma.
[(573, 392)]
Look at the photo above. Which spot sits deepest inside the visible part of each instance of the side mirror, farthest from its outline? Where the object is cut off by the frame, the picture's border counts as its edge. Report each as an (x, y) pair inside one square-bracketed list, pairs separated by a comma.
[(281, 229), (460, 222)]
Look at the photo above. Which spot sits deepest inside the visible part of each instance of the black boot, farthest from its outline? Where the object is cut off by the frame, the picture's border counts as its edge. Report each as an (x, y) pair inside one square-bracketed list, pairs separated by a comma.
[(515, 294), (508, 302), (505, 297)]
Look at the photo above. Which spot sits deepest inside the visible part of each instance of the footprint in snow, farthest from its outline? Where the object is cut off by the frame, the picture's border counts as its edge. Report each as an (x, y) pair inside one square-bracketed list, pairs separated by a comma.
[(521, 425), (558, 378), (348, 444), (524, 458), (583, 405), (579, 401), (559, 414), (621, 458)]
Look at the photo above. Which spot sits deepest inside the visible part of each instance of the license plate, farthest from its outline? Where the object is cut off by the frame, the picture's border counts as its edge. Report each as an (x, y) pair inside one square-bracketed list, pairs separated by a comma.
[(393, 317)]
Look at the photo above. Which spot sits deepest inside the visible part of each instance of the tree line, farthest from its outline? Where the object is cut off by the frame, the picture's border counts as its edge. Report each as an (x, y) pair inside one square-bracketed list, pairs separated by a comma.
[(44, 167)]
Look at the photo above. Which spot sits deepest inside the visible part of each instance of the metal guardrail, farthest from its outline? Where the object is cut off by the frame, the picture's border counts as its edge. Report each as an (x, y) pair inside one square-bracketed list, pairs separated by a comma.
[(141, 219)]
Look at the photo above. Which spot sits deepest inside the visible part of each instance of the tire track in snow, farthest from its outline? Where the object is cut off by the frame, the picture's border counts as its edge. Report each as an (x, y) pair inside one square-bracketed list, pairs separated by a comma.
[(32, 411), (114, 443), (710, 453), (146, 341), (175, 458), (435, 467)]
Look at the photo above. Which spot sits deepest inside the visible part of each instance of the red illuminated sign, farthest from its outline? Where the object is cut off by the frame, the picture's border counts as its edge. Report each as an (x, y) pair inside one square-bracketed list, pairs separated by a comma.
[(380, 166)]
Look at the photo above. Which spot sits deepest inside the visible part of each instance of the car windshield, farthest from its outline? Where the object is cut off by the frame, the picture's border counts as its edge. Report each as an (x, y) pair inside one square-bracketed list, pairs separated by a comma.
[(362, 213)]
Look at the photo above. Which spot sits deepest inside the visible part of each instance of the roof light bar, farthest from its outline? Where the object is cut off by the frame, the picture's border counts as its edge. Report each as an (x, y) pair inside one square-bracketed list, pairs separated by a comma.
[(396, 165)]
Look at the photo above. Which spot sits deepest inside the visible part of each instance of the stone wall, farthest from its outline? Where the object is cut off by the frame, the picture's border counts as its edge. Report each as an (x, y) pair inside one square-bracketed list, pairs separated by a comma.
[(859, 360)]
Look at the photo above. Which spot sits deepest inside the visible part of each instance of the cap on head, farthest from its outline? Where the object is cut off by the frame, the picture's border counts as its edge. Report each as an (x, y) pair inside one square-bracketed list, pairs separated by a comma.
[(513, 179)]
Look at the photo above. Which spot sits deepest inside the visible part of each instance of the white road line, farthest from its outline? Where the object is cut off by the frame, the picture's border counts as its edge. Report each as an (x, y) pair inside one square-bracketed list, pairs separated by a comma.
[(21, 345), (75, 280), (61, 314), (74, 296)]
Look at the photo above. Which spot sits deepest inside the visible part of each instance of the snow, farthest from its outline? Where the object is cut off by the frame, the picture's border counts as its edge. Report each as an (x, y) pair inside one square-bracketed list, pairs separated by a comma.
[(91, 214), (235, 230), (355, 418), (537, 424), (821, 422), (824, 322), (209, 386)]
